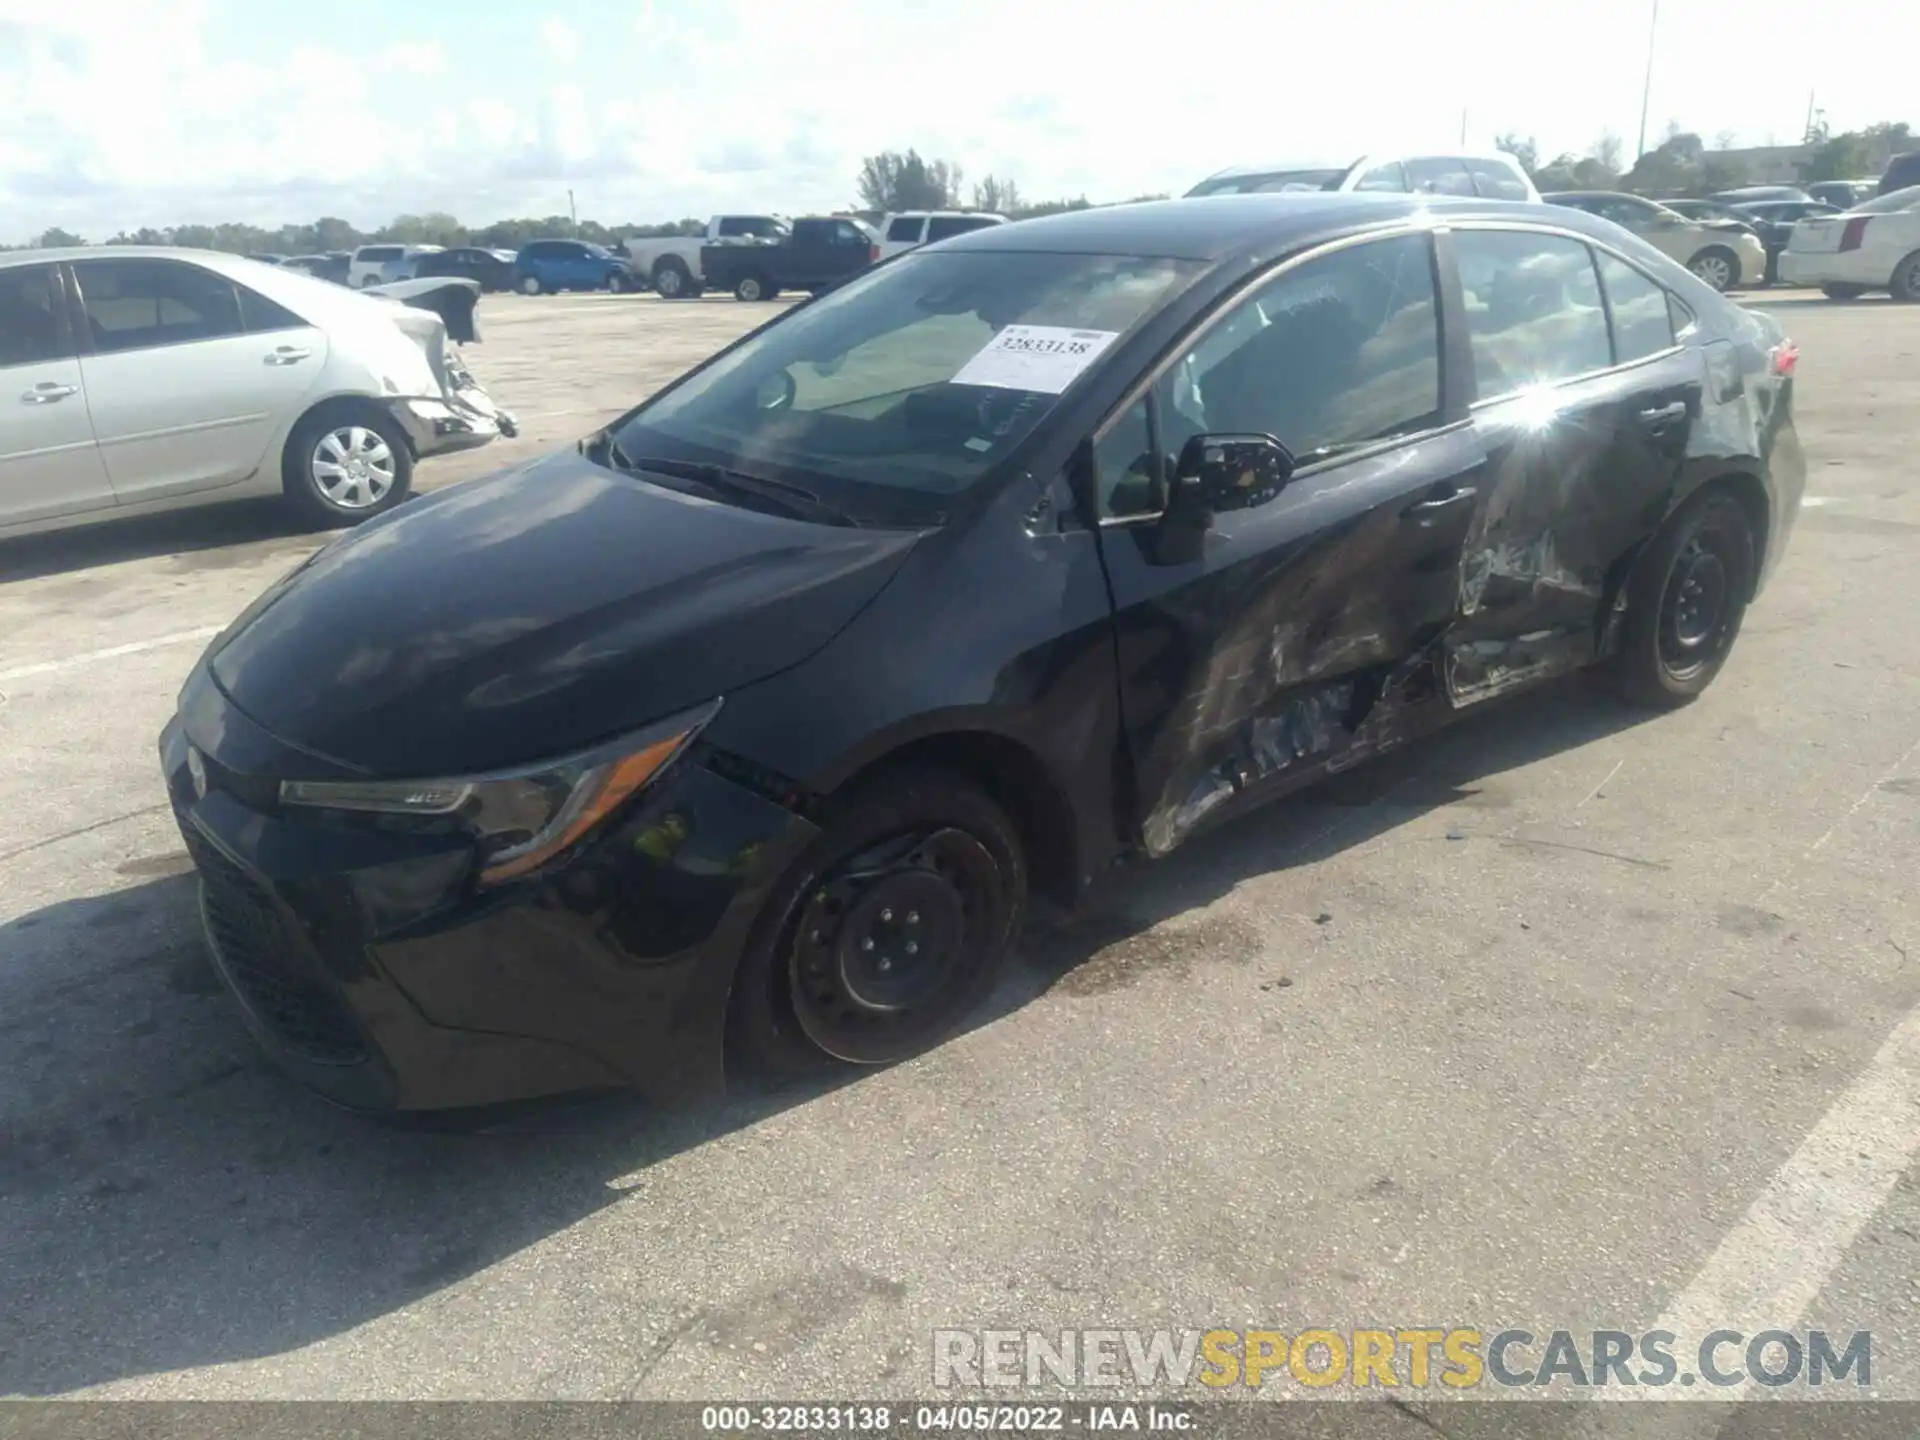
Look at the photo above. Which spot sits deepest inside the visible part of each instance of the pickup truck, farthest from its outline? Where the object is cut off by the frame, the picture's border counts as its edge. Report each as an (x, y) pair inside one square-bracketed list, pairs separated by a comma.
[(818, 254), (673, 265)]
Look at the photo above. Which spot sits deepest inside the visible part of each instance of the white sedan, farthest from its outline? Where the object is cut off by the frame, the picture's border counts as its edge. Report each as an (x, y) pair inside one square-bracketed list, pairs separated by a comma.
[(1874, 246), (135, 379)]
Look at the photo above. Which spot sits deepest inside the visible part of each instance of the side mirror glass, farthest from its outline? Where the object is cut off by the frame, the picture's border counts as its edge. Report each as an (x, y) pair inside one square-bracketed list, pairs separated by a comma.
[(775, 391), (1228, 472)]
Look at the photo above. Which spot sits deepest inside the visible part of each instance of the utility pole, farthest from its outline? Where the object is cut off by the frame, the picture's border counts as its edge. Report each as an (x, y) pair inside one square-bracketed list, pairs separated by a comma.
[(1646, 90), (573, 211), (1806, 135), (1463, 129)]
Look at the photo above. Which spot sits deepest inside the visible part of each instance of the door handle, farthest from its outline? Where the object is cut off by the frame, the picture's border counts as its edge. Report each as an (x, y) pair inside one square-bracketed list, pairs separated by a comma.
[(48, 391), (1660, 415), (288, 355), (1425, 509)]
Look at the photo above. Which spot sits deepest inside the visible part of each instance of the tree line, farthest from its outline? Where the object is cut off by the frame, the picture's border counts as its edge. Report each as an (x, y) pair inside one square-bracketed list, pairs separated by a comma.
[(894, 180)]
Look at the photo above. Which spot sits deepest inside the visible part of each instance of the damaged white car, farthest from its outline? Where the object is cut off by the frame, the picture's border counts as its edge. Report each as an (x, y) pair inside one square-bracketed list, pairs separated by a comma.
[(135, 379)]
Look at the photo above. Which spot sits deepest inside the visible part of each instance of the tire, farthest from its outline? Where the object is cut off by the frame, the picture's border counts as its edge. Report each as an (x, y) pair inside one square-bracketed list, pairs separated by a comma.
[(1906, 280), (810, 994), (673, 281), (336, 435), (1685, 600), (1843, 292), (752, 287), (1717, 266), (529, 285), (616, 284)]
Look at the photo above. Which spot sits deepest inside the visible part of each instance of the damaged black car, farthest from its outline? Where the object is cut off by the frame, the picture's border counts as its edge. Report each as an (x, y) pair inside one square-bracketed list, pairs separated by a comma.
[(745, 732)]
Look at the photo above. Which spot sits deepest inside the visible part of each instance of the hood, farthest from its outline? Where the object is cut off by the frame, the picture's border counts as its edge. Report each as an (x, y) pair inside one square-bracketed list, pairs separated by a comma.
[(521, 617)]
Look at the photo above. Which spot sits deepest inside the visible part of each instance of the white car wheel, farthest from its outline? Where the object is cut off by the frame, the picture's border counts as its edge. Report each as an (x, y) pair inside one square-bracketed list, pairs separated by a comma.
[(353, 467), (530, 285), (1715, 268)]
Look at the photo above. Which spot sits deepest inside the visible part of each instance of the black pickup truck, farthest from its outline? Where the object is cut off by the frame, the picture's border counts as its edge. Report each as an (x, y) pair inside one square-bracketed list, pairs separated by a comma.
[(821, 252)]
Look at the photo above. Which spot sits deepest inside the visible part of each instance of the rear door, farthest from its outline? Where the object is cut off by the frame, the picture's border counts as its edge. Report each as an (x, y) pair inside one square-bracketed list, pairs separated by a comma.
[(1585, 424), (1257, 662), (49, 462), (189, 376)]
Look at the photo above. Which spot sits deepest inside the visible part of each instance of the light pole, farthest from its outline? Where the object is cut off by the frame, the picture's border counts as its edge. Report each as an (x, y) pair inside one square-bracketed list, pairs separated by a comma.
[(1646, 90)]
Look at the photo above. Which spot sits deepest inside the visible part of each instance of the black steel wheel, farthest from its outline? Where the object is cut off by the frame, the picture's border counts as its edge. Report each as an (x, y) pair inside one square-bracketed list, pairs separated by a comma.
[(887, 934), (1685, 602)]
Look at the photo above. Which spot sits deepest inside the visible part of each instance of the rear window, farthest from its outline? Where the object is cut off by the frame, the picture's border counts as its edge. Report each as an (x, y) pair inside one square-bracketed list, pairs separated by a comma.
[(943, 226), (381, 252), (1269, 182), (1439, 175), (1496, 181), (905, 229)]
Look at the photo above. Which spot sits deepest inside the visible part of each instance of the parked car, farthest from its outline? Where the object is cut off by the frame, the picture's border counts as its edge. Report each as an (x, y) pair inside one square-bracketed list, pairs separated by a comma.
[(1843, 194), (1774, 220), (1902, 171), (493, 269), (1496, 177), (1712, 210), (819, 253), (1874, 246), (745, 731), (1748, 194), (672, 265), (911, 228), (266, 258), (332, 267), (153, 378), (380, 264), (550, 266), (1723, 253)]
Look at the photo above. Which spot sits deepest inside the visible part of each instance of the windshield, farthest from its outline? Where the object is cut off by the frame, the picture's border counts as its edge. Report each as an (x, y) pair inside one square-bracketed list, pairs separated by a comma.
[(1269, 181), (905, 386), (1890, 204)]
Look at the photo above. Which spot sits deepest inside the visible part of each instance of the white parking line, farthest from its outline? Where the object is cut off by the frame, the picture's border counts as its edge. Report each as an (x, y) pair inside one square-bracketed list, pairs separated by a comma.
[(112, 652)]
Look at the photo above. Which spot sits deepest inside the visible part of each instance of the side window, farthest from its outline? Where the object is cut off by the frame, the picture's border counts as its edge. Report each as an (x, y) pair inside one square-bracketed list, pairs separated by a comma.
[(905, 230), (1683, 318), (1642, 325), (135, 304), (32, 323), (1439, 175), (1341, 350), (1630, 213), (732, 226), (1496, 181), (259, 314), (1391, 176), (846, 233), (1533, 309), (942, 227), (1130, 481)]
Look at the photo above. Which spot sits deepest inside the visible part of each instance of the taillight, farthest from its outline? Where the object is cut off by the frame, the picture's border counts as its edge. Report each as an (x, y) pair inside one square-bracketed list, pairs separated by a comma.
[(1855, 232), (873, 254), (1786, 357)]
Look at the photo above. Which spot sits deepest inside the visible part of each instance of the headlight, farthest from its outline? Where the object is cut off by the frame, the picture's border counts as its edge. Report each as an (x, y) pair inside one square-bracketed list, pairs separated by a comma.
[(521, 818)]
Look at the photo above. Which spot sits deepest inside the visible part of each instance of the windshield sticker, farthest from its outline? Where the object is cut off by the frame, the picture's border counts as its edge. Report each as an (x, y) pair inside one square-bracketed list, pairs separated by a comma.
[(1041, 358)]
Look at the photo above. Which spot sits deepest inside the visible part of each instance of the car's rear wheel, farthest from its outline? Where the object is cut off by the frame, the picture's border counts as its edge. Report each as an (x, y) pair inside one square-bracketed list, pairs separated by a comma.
[(754, 287), (1843, 292), (530, 285), (881, 939), (1685, 601), (1906, 280), (346, 464), (1717, 266)]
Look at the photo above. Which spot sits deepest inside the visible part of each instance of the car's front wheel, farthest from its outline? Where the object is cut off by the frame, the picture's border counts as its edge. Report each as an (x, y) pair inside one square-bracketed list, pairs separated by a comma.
[(1718, 267), (347, 464), (530, 285), (1685, 601), (881, 939)]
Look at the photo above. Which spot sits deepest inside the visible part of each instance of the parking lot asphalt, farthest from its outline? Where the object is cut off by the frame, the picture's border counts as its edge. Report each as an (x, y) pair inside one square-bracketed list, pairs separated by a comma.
[(1572, 1018)]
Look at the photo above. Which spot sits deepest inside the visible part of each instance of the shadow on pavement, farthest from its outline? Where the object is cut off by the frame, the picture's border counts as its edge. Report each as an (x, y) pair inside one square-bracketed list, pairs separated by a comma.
[(167, 1202), (261, 526)]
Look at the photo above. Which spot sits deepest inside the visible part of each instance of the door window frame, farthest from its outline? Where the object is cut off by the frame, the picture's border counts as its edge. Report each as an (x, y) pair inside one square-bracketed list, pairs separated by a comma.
[(1452, 409)]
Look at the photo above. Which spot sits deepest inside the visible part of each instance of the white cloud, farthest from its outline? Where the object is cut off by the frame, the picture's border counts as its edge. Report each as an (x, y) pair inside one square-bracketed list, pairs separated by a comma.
[(120, 113)]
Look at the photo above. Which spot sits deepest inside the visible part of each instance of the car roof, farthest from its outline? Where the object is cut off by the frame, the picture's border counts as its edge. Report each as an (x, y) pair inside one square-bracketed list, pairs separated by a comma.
[(218, 259), (1442, 152), (1218, 227), (1597, 195)]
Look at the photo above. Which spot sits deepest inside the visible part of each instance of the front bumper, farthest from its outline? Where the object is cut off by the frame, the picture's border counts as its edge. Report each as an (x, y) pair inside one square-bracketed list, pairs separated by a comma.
[(368, 966)]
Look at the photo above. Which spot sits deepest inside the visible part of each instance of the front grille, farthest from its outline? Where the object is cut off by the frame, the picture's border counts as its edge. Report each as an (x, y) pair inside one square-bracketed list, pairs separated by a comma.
[(262, 955)]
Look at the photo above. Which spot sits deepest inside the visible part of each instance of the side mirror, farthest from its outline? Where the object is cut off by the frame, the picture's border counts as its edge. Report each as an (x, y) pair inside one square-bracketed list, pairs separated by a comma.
[(775, 392), (1228, 472)]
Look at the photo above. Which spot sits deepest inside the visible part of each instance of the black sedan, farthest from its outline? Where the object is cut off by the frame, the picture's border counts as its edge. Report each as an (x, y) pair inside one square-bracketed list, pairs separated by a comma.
[(492, 268), (746, 730)]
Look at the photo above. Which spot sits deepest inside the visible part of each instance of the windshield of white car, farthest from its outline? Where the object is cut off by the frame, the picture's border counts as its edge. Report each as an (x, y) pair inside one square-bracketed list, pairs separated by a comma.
[(901, 389), (1893, 203), (1267, 182)]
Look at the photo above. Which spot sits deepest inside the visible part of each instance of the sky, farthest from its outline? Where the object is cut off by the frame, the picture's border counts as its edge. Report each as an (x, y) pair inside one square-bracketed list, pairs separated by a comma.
[(122, 113)]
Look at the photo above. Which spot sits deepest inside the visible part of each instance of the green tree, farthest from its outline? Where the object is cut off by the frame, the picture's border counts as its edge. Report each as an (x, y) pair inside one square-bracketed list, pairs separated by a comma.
[(996, 196), (54, 238), (1526, 151), (891, 181)]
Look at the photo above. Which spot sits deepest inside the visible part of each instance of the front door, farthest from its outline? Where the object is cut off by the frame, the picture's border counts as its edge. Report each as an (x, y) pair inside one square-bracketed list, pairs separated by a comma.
[(1585, 425), (183, 397), (49, 461), (1271, 653)]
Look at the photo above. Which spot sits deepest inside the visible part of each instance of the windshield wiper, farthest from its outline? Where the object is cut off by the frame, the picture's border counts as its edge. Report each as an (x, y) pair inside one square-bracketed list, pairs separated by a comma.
[(796, 501)]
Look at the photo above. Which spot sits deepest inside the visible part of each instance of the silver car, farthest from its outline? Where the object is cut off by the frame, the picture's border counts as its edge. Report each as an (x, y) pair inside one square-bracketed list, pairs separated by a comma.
[(1724, 253), (137, 379)]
